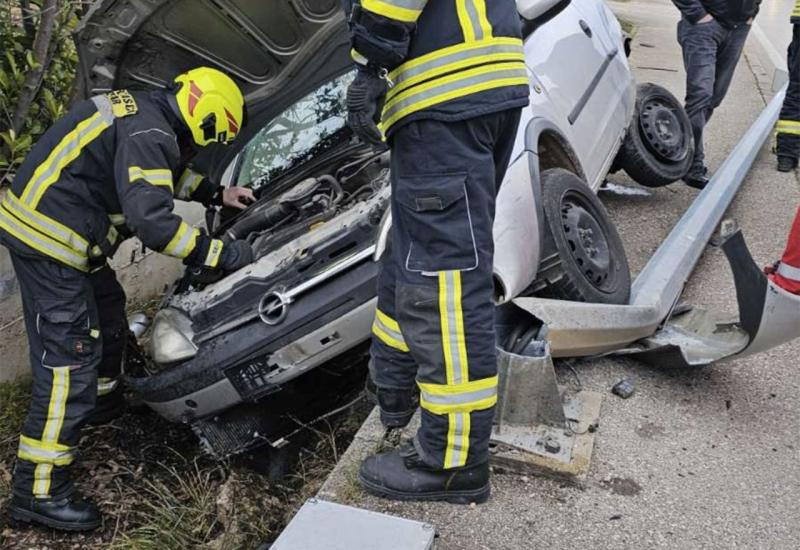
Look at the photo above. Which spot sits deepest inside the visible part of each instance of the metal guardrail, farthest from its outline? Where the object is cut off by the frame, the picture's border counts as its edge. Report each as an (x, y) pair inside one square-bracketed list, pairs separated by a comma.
[(576, 328)]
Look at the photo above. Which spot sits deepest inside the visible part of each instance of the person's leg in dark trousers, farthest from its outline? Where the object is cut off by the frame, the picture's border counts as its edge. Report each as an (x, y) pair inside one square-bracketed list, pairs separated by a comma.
[(445, 176), (65, 350), (699, 43), (110, 300), (788, 128), (710, 55)]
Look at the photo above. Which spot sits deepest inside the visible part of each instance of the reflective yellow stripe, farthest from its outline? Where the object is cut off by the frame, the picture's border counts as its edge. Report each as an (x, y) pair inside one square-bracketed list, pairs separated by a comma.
[(41, 452), (788, 127), (464, 20), (407, 11), (156, 176), (450, 51), (464, 57), (106, 385), (214, 252), (62, 154), (387, 338), (183, 242), (188, 184), (41, 480), (358, 58), (451, 87), (45, 225), (117, 219), (468, 397), (52, 428), (483, 19), (452, 325), (41, 242), (458, 428)]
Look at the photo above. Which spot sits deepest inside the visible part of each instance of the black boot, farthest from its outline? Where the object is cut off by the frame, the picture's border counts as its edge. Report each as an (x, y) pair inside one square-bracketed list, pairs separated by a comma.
[(401, 475), (67, 514), (786, 163), (397, 406)]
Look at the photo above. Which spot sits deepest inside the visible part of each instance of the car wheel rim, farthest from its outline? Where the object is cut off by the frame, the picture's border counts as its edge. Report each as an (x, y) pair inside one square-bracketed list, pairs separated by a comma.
[(587, 242), (662, 131)]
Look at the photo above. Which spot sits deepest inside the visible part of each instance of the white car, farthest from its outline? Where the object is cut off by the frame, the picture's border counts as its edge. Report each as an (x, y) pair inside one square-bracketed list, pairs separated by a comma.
[(237, 357)]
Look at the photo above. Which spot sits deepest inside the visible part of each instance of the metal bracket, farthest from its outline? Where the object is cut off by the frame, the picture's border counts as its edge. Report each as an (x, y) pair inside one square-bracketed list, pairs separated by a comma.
[(538, 428)]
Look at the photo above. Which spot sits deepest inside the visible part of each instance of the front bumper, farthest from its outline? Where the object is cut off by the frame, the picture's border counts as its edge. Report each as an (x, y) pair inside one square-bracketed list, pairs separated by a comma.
[(253, 360)]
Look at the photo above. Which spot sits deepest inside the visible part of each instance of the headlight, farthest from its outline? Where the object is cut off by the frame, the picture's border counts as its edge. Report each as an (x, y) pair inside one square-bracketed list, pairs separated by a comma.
[(172, 337)]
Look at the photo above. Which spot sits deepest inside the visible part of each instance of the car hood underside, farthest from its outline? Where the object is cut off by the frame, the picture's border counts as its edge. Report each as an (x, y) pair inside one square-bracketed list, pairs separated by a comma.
[(276, 50)]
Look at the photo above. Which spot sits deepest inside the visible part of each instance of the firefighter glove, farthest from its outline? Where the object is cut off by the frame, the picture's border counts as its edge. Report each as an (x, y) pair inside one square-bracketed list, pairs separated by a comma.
[(235, 255), (365, 98)]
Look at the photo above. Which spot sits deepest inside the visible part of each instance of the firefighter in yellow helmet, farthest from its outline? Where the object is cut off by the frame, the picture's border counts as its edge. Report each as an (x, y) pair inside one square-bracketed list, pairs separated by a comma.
[(108, 170)]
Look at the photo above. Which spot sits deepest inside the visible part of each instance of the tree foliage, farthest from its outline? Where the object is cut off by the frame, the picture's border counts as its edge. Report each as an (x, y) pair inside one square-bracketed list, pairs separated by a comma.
[(37, 70)]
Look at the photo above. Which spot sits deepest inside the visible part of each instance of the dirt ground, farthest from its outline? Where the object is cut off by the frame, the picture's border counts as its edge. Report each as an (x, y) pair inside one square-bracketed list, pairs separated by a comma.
[(158, 490)]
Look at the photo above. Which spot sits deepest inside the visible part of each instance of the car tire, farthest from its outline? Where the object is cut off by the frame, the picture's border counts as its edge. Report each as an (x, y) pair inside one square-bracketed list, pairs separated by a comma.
[(583, 258), (659, 146)]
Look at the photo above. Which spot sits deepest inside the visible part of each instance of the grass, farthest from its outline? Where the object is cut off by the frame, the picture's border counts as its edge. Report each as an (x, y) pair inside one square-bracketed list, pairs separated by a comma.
[(157, 489)]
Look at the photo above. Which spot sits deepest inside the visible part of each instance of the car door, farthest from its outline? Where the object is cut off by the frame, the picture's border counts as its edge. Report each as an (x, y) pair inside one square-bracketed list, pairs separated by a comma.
[(569, 60)]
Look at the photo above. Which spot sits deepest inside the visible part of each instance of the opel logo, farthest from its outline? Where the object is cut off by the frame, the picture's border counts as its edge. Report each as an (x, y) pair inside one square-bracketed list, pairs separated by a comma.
[(273, 307)]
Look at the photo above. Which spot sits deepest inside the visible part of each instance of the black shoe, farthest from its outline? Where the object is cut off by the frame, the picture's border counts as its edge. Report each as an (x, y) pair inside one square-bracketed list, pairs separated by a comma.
[(401, 475), (697, 182), (397, 406), (786, 163), (67, 514)]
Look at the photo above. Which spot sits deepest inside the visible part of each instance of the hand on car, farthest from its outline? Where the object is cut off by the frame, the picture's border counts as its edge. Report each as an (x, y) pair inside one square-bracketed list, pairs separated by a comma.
[(365, 98), (235, 255), (238, 197)]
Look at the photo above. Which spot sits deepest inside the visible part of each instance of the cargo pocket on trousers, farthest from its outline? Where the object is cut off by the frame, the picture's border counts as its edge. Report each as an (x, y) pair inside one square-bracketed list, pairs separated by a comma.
[(436, 217), (66, 333)]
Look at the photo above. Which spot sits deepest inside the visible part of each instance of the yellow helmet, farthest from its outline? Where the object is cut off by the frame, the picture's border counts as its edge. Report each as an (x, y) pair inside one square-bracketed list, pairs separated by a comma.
[(211, 104)]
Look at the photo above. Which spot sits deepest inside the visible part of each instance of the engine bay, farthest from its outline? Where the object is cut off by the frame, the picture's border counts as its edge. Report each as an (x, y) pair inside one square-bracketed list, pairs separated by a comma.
[(282, 216)]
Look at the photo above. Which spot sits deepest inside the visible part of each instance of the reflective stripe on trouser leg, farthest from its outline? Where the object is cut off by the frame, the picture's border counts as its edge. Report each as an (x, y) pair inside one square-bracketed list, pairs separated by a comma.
[(110, 300), (392, 367), (444, 178), (62, 396)]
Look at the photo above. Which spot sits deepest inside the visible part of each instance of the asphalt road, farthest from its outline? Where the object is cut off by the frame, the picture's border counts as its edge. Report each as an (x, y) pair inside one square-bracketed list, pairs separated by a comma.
[(706, 458)]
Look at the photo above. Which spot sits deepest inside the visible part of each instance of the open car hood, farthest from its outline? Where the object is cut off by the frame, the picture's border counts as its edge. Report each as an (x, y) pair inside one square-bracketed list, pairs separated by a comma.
[(276, 50)]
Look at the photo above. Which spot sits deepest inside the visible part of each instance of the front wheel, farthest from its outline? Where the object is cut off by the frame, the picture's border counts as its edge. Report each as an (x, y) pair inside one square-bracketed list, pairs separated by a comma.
[(659, 147), (583, 256)]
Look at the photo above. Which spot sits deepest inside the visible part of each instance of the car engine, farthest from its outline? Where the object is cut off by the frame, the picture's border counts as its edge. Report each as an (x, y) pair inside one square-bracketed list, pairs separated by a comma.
[(312, 201)]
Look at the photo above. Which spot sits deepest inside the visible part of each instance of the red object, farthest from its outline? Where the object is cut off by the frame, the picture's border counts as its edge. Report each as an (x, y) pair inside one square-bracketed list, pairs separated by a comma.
[(787, 275), (232, 126), (195, 93)]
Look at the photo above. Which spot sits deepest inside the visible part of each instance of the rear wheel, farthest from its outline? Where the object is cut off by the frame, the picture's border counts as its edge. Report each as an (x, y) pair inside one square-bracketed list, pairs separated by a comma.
[(659, 147), (583, 256)]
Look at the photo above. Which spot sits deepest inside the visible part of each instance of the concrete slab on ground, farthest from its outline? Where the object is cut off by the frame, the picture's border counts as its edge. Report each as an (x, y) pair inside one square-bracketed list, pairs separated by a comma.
[(706, 458)]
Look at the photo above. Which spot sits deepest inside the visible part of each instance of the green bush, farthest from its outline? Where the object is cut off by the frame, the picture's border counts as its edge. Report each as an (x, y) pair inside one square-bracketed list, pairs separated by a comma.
[(20, 21)]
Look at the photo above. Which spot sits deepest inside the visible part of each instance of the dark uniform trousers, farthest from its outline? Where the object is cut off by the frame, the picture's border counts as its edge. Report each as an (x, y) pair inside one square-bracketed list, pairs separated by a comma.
[(435, 319), (788, 128), (76, 329)]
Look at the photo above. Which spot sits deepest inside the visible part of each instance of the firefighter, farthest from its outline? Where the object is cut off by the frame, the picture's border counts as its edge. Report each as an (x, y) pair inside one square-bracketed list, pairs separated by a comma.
[(448, 81), (788, 128), (108, 170)]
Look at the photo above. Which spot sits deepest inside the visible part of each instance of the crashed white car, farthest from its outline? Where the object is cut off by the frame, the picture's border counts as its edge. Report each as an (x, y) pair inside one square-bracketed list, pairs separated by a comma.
[(234, 355)]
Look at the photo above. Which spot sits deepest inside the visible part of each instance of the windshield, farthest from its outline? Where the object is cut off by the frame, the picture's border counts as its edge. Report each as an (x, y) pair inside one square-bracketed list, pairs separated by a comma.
[(310, 126)]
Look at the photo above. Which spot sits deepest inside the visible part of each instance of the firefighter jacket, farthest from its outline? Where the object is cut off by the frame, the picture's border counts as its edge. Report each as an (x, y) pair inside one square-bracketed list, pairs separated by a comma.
[(446, 59), (107, 170), (795, 17), (729, 13)]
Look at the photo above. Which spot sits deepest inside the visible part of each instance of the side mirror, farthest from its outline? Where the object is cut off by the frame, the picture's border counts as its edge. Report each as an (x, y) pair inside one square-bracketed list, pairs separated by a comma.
[(531, 9)]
